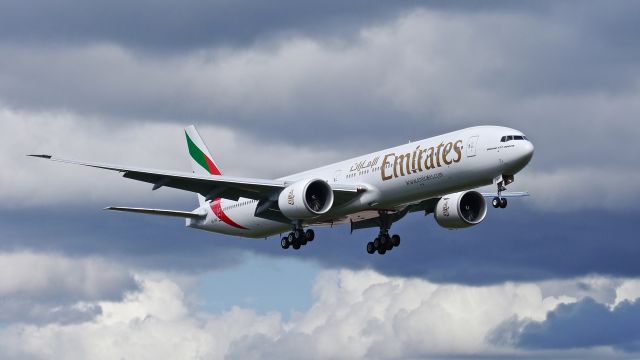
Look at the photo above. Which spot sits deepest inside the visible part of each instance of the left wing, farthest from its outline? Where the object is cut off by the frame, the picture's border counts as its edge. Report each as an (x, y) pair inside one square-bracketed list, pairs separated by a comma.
[(210, 187)]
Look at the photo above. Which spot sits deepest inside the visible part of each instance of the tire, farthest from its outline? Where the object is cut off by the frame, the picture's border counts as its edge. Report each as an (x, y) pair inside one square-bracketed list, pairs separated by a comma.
[(309, 235), (503, 203), (395, 240), (291, 238), (496, 202), (296, 246), (298, 234), (388, 245), (370, 247), (382, 251), (285, 243), (376, 243)]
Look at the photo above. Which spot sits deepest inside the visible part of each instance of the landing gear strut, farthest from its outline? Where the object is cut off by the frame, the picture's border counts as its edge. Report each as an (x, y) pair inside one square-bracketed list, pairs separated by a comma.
[(499, 201), (297, 238), (383, 242)]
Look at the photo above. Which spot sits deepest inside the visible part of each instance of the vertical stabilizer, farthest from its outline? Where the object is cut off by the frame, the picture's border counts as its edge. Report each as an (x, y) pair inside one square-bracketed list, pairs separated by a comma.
[(201, 160)]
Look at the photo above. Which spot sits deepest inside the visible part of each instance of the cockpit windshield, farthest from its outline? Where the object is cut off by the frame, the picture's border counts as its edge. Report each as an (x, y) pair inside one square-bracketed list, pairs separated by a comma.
[(513, 137)]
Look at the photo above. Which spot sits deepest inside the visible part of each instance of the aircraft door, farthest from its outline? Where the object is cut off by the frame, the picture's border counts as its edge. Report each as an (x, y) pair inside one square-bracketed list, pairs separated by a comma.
[(471, 146)]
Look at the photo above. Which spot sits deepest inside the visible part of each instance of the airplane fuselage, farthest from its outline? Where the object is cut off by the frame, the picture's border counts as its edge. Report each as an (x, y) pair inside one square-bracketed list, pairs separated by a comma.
[(391, 178)]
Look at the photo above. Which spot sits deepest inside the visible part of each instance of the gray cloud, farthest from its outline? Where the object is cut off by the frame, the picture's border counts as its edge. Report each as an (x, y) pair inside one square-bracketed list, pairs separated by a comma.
[(172, 26), (586, 323), (542, 71), (509, 246), (42, 288), (38, 312)]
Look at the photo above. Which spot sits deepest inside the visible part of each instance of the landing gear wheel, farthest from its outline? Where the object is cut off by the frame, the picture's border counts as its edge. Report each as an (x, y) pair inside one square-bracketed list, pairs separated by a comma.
[(285, 243), (309, 235), (503, 203), (381, 251), (395, 240), (376, 243), (386, 242), (291, 238), (296, 246), (496, 202), (298, 236), (370, 247)]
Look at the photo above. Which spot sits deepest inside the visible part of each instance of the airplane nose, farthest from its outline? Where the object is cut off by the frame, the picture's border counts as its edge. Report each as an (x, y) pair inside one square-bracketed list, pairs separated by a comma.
[(527, 152), (519, 159)]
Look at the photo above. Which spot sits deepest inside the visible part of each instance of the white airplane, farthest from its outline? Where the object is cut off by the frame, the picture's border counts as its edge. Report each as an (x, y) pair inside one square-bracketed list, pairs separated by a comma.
[(436, 175)]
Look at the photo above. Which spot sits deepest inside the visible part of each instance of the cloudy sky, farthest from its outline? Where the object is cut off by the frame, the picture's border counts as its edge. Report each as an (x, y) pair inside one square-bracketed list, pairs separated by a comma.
[(284, 86)]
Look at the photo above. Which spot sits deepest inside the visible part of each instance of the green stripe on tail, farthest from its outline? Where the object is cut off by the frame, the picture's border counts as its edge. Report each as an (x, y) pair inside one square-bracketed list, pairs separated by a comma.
[(197, 154)]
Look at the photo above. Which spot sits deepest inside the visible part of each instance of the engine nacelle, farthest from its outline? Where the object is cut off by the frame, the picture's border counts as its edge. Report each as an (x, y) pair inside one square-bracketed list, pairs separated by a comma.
[(460, 210), (306, 199)]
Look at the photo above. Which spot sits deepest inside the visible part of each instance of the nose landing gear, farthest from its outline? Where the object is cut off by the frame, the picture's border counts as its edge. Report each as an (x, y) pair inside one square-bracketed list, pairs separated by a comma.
[(499, 202)]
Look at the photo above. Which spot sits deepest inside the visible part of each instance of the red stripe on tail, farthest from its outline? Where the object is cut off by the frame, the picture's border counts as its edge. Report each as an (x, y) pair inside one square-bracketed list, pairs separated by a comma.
[(213, 169)]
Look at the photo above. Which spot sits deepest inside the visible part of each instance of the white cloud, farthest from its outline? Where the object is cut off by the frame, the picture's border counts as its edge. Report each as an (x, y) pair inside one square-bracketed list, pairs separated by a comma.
[(28, 182), (355, 314), (628, 290)]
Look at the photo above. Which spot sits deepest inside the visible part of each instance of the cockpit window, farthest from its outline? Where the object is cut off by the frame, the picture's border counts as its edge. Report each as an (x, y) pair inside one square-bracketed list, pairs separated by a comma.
[(512, 137)]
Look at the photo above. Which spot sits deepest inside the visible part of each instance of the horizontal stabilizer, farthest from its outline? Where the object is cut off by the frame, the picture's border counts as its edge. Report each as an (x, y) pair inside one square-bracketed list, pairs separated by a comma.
[(507, 194), (180, 214)]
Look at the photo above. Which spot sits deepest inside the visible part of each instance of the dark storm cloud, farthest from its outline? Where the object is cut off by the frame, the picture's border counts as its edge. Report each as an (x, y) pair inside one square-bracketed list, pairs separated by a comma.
[(564, 74), (177, 25), (586, 323), (510, 245), (181, 25)]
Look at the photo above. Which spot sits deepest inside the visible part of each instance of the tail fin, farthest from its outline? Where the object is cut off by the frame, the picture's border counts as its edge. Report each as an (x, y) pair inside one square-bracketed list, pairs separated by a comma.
[(201, 161)]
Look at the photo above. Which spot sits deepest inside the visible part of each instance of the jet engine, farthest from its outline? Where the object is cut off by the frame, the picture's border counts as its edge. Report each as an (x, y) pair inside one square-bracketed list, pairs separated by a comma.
[(306, 199), (460, 210)]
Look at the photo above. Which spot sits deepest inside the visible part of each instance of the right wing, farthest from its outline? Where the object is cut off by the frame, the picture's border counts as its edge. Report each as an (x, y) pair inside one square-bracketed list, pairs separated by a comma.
[(507, 194)]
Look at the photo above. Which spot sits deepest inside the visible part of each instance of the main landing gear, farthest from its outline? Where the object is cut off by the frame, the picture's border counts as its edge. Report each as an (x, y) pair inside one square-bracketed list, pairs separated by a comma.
[(297, 238), (383, 242)]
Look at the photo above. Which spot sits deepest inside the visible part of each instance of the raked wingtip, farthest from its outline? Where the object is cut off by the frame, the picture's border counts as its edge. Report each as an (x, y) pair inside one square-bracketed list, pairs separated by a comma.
[(42, 156)]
